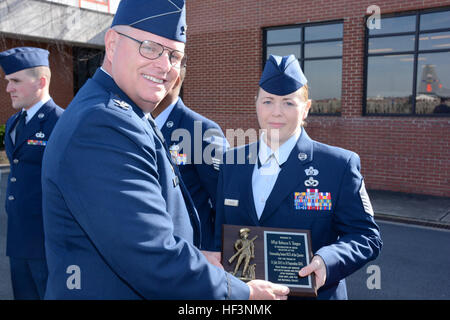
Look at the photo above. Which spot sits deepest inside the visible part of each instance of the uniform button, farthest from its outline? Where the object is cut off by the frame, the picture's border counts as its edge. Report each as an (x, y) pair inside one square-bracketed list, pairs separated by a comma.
[(16, 161), (13, 179), (11, 198)]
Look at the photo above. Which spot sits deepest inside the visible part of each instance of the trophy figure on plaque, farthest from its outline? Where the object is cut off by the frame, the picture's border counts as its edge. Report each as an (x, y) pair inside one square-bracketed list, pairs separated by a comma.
[(245, 250)]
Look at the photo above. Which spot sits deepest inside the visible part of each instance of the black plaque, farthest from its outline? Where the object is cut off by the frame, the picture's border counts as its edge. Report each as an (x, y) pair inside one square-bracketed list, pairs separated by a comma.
[(272, 254)]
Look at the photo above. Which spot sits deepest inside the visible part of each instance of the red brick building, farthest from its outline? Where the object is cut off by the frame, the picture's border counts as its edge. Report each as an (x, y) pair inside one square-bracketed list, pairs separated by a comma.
[(374, 90), (403, 145)]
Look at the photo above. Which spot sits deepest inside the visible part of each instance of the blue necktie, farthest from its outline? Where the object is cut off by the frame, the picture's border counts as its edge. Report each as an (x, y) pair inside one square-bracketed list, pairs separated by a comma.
[(20, 126)]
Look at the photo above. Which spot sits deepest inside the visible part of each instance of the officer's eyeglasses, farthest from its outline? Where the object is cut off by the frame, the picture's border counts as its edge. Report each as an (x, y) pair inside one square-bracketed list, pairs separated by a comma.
[(153, 50)]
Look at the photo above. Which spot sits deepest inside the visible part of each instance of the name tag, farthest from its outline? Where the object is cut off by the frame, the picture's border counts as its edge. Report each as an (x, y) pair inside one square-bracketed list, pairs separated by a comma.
[(231, 202)]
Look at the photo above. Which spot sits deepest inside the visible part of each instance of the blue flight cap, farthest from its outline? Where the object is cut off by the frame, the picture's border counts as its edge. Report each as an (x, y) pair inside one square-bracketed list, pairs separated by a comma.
[(282, 75), (21, 58), (165, 18)]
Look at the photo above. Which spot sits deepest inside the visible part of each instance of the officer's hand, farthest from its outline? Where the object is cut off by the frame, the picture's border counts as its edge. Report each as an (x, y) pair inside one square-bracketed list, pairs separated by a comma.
[(265, 290), (318, 267), (213, 258)]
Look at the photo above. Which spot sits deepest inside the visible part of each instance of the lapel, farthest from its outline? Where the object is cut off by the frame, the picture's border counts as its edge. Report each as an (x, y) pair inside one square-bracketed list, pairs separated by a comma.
[(173, 120), (291, 175), (245, 174), (35, 124), (9, 146)]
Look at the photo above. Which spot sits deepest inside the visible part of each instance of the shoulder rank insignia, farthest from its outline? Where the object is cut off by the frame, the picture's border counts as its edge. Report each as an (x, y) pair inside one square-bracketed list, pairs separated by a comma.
[(121, 104)]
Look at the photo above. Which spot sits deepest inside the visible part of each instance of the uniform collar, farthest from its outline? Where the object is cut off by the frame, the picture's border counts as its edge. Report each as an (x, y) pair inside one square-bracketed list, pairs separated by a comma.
[(105, 80), (163, 116), (281, 154), (35, 108)]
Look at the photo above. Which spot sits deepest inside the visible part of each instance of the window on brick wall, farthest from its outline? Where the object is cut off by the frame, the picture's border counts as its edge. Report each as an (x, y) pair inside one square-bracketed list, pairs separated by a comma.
[(408, 65), (318, 47)]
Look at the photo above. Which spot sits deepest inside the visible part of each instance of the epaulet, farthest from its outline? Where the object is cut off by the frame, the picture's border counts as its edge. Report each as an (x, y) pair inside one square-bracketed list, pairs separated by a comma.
[(118, 104)]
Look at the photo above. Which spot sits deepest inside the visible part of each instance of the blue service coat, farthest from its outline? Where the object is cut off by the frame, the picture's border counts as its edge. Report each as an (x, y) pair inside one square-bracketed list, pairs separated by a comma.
[(25, 236), (200, 173), (343, 230), (116, 222)]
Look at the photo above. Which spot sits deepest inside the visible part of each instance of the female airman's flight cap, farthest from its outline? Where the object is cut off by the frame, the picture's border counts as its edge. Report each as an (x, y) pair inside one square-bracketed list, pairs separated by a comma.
[(165, 18), (20, 58), (282, 75)]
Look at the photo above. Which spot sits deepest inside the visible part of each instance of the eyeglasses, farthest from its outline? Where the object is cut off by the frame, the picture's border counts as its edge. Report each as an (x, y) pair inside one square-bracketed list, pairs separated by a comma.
[(153, 50)]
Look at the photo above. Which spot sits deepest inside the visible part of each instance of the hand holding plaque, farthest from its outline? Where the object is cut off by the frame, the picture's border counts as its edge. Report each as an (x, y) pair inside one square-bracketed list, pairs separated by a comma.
[(271, 254)]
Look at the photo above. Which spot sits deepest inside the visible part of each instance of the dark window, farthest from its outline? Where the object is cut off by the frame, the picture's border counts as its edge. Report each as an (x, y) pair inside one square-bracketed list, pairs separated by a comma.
[(85, 63), (408, 65), (318, 47)]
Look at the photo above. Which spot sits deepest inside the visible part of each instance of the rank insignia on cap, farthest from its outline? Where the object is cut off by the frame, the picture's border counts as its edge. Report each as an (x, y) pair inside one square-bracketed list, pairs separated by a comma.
[(165, 18)]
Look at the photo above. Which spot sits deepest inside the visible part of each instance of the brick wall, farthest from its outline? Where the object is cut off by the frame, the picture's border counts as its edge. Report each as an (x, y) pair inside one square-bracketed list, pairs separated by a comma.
[(61, 85), (406, 154)]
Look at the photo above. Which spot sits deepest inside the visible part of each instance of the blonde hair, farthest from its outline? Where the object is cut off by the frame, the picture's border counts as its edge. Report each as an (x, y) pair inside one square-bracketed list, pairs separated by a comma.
[(305, 92), (38, 72)]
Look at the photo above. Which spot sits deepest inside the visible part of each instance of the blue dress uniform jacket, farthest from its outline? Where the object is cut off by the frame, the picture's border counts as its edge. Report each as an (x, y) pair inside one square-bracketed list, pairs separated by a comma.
[(25, 237), (116, 222), (199, 176), (342, 232)]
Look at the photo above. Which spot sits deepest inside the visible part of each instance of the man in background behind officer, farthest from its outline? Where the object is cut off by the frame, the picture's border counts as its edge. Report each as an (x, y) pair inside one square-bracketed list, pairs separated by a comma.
[(196, 145), (26, 134)]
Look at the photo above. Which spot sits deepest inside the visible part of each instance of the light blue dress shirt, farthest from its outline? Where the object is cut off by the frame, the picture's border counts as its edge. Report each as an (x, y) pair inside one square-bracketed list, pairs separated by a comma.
[(264, 178), (163, 116), (30, 114)]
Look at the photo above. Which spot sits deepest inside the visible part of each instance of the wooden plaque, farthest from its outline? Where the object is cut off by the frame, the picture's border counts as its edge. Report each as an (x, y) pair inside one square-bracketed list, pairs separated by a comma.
[(272, 254)]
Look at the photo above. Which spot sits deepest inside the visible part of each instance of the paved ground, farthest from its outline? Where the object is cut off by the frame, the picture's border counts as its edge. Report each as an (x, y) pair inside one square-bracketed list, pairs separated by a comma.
[(421, 209), (413, 265)]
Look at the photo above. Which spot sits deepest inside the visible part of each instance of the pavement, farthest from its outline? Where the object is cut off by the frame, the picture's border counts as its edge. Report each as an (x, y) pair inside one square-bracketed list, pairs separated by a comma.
[(388, 206), (417, 209)]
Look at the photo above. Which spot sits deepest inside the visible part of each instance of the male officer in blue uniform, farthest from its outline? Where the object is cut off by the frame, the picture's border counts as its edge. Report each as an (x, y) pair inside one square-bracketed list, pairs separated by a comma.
[(119, 222), (196, 145), (291, 181), (28, 74)]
